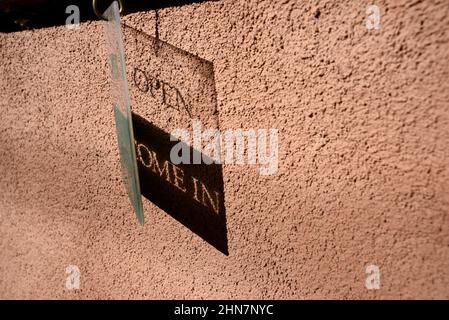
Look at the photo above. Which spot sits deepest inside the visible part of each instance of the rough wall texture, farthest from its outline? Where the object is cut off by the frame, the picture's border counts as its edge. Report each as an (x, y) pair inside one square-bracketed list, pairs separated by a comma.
[(363, 173)]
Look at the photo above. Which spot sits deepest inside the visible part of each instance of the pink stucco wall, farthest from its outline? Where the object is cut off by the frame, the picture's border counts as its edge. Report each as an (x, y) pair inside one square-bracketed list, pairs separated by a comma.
[(363, 120)]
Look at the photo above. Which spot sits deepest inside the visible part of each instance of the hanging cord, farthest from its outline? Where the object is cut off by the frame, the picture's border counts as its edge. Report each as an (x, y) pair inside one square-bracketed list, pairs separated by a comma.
[(156, 32), (99, 15)]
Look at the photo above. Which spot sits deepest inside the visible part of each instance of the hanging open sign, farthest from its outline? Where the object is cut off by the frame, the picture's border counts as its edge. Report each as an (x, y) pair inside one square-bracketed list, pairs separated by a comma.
[(122, 109)]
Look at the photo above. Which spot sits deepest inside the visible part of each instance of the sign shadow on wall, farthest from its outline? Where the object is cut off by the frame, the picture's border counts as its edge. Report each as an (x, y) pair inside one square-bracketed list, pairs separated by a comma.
[(170, 88), (191, 193)]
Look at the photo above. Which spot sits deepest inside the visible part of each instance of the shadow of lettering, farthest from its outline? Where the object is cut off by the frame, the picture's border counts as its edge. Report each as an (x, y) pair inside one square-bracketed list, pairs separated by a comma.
[(193, 194), (178, 85), (166, 93)]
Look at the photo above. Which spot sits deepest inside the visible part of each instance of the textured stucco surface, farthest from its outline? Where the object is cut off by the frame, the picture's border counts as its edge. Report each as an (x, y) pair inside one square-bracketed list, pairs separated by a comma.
[(363, 119)]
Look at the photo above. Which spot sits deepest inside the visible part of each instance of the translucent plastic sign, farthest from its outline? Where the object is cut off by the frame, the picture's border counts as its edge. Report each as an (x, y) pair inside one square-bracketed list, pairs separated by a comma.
[(122, 108)]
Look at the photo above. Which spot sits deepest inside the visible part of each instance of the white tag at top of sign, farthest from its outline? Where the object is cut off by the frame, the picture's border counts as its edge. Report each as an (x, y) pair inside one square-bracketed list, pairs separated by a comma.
[(122, 109)]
